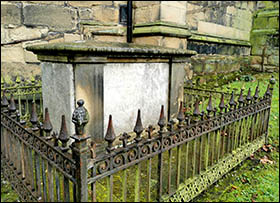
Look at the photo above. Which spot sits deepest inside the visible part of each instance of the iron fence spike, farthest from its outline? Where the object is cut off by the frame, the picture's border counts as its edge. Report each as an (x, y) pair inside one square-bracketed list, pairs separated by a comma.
[(256, 95), (196, 108), (63, 134), (4, 100), (222, 102), (110, 135), (12, 107), (181, 115), (161, 121), (209, 107), (232, 102), (138, 129), (241, 99), (249, 97), (34, 117), (47, 125)]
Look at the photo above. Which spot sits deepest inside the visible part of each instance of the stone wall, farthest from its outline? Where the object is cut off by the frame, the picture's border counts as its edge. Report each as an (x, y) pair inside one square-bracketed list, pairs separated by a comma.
[(220, 28), (265, 38), (26, 23)]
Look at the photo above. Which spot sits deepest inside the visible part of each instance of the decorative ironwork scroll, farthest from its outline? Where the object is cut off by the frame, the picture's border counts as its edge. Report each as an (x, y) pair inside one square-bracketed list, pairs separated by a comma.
[(64, 164)]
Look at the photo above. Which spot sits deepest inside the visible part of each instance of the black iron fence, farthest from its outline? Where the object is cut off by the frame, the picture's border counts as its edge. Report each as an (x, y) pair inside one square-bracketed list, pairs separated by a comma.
[(173, 161)]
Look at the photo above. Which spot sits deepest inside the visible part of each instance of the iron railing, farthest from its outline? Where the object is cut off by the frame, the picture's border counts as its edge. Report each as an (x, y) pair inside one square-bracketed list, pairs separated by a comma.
[(24, 92), (173, 161)]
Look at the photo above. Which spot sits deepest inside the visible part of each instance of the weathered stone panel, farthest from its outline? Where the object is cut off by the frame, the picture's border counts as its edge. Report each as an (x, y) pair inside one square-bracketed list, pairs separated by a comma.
[(11, 14), (55, 17)]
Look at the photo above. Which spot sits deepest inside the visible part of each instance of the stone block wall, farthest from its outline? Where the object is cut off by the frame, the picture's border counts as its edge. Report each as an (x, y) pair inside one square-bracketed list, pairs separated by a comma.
[(208, 27), (26, 23), (265, 38)]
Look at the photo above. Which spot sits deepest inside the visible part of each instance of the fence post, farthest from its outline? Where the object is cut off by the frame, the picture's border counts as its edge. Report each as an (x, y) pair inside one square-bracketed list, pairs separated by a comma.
[(80, 151)]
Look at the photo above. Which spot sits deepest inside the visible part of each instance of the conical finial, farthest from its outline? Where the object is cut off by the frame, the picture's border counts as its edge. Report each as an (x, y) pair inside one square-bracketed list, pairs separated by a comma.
[(249, 97), (196, 108), (12, 107), (110, 135), (222, 103), (34, 117), (124, 139), (241, 99), (256, 95), (4, 102), (63, 134), (232, 102), (181, 115), (47, 126), (267, 92), (161, 121), (209, 108), (138, 129)]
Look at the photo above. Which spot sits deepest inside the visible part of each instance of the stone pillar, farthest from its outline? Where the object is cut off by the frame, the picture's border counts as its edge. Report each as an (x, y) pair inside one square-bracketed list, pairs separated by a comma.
[(112, 78)]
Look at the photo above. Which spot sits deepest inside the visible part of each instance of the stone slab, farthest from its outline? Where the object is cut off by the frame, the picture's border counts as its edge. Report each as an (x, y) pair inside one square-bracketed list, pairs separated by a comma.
[(58, 93), (129, 87), (89, 87), (11, 14), (58, 18)]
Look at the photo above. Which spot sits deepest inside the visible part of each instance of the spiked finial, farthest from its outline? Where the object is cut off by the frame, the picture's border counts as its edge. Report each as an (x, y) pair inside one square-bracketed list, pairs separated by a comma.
[(181, 115), (138, 129), (267, 92), (196, 108), (63, 134), (232, 102), (249, 97), (256, 96), (241, 99), (12, 107), (161, 121), (124, 139), (209, 108), (34, 117), (47, 126), (110, 135), (222, 103), (4, 102)]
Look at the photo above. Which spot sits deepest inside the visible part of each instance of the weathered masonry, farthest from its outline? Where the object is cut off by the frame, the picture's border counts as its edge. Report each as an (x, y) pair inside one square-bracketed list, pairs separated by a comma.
[(112, 78), (228, 31)]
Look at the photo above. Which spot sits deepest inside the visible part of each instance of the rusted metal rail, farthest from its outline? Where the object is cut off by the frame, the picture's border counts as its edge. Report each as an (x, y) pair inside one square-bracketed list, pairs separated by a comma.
[(173, 161)]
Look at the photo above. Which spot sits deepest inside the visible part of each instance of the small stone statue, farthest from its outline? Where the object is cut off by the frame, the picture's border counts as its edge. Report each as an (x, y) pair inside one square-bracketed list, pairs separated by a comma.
[(80, 117)]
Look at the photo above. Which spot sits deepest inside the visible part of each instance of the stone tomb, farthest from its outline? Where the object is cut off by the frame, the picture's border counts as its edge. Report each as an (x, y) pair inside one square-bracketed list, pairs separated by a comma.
[(112, 78)]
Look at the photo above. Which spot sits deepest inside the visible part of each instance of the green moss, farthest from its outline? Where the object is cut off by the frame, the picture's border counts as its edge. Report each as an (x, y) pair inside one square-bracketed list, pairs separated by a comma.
[(260, 23)]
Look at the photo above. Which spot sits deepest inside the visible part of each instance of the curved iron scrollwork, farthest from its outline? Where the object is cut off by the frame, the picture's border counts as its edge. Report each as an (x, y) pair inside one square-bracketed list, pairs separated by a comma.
[(129, 154), (65, 164)]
